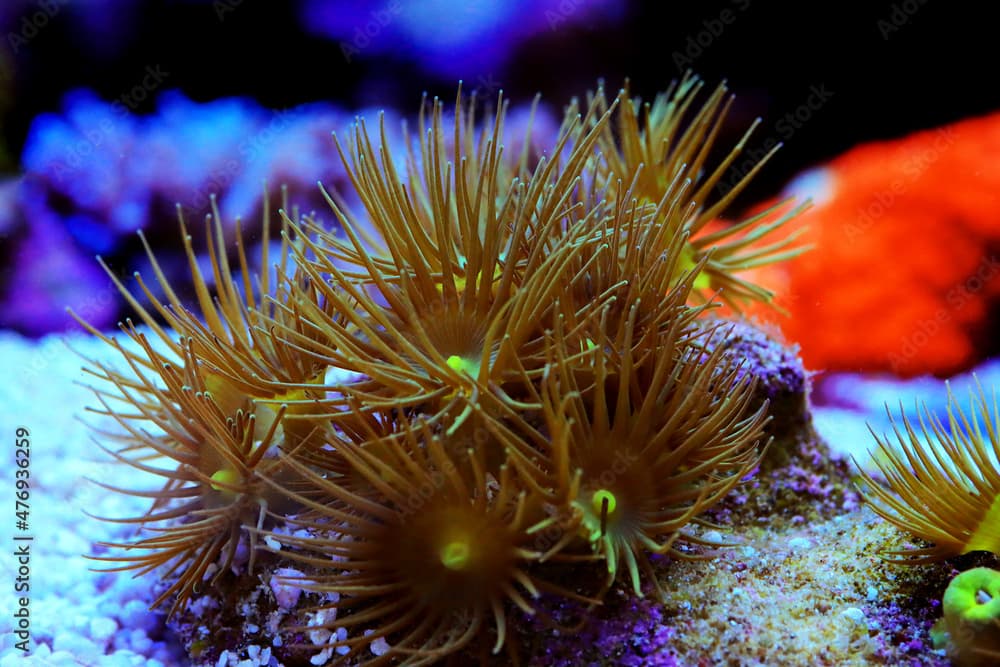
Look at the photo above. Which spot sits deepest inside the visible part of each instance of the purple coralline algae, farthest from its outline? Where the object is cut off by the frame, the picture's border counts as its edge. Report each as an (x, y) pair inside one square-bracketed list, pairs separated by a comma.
[(627, 631), (781, 379)]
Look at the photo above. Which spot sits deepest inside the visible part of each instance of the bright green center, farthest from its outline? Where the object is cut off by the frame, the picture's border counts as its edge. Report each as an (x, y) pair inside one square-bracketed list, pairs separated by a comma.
[(460, 364), (687, 262), (597, 500), (455, 555), (221, 479)]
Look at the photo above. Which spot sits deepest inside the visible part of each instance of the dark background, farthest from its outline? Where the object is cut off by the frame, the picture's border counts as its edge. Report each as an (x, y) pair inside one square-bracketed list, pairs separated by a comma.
[(890, 68)]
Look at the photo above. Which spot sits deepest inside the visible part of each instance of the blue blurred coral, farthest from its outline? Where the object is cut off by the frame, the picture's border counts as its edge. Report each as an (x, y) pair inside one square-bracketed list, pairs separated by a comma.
[(450, 38), (95, 173)]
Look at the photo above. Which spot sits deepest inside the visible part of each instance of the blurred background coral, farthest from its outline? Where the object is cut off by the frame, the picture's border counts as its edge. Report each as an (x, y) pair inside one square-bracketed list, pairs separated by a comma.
[(113, 112)]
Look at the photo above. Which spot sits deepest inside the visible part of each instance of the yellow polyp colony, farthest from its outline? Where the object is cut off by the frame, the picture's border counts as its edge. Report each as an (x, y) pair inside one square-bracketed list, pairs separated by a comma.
[(951, 502), (665, 146), (571, 410), (204, 389)]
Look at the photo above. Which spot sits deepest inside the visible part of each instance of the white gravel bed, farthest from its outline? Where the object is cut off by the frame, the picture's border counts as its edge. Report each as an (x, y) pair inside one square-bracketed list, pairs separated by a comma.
[(77, 616)]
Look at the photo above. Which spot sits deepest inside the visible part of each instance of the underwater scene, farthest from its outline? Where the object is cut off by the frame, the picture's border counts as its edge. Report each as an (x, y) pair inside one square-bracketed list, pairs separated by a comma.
[(565, 333)]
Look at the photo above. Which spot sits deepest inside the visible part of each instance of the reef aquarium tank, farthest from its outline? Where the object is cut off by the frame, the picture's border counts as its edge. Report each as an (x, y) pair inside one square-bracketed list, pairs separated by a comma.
[(560, 334)]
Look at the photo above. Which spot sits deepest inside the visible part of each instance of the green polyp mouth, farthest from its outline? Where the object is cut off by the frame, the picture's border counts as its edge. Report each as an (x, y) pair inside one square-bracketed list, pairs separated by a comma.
[(456, 555), (460, 364), (222, 480), (687, 263), (598, 499)]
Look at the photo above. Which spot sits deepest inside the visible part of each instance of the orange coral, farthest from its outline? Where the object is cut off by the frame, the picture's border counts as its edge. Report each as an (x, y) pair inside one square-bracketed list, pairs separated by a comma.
[(905, 263)]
